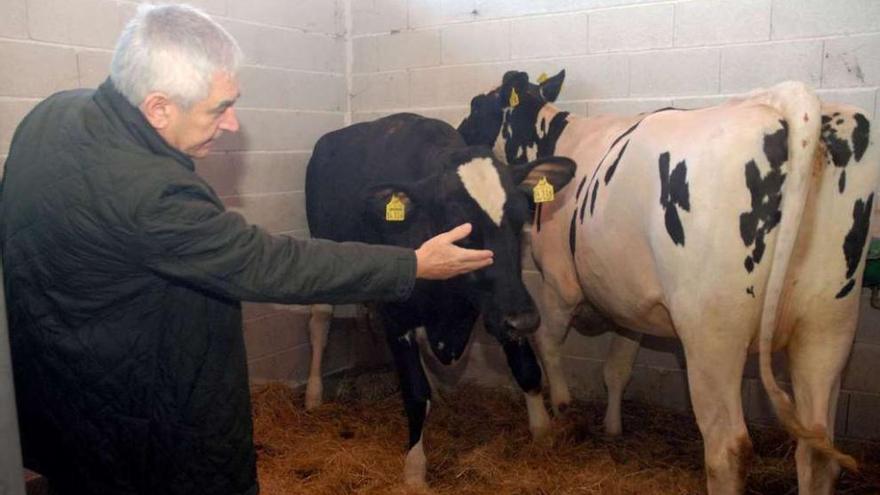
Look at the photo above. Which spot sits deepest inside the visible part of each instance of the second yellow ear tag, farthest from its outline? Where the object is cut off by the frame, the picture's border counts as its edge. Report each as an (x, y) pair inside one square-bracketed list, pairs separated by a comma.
[(543, 191), (514, 98), (543, 77), (395, 210)]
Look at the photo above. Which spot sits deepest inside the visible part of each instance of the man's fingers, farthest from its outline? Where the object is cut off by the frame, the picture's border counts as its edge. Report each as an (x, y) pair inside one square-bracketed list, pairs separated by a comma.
[(457, 233), (475, 254)]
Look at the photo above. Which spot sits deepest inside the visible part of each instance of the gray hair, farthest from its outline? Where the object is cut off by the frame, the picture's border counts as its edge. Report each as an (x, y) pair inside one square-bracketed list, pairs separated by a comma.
[(175, 49)]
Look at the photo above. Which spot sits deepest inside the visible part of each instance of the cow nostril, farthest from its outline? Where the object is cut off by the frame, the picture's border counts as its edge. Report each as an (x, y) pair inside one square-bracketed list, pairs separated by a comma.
[(523, 323)]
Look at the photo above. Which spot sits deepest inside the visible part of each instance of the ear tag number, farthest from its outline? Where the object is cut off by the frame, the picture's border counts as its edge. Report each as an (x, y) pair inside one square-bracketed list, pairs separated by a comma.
[(543, 191), (543, 77), (514, 98), (395, 210)]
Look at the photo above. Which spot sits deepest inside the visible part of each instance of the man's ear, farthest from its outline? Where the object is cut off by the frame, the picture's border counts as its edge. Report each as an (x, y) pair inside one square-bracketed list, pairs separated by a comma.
[(558, 170), (551, 87), (157, 108)]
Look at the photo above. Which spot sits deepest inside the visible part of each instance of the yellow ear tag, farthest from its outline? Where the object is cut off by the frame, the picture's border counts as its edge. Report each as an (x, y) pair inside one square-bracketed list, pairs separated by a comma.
[(395, 211), (543, 191), (514, 98), (543, 77)]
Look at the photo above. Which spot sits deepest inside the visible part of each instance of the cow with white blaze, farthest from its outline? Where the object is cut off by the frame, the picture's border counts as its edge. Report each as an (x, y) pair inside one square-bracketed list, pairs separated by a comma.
[(735, 228), (424, 167)]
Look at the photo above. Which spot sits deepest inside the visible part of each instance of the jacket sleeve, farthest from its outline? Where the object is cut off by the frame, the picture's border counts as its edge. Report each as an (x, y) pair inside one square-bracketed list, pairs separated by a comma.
[(191, 238)]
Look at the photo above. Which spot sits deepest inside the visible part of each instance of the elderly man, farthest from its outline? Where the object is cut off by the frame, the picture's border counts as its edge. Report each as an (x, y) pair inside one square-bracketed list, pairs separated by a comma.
[(124, 273)]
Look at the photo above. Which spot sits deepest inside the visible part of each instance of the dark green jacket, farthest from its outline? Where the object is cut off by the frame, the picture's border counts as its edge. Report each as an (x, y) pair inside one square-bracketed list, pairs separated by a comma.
[(124, 274)]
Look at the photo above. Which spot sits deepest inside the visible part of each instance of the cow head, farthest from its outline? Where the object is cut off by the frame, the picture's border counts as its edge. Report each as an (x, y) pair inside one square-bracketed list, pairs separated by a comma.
[(475, 187), (506, 118)]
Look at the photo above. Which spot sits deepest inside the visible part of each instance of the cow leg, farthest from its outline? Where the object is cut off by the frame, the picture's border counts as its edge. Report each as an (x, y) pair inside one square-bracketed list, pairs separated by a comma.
[(555, 315), (617, 371), (714, 368), (416, 401), (527, 373), (319, 326), (817, 354)]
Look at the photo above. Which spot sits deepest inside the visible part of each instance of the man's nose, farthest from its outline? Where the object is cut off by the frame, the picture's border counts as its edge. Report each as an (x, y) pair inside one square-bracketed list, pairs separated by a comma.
[(229, 121)]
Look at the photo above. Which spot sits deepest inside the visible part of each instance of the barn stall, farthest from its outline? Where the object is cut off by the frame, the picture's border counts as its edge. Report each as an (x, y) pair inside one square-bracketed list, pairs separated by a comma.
[(315, 66)]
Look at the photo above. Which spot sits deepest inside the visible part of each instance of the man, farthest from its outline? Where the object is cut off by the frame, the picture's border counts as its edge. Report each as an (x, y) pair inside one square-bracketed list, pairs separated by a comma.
[(124, 273)]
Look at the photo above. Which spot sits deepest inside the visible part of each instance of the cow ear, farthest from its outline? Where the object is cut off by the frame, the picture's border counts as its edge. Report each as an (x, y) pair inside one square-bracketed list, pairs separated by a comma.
[(377, 199), (557, 170), (513, 81), (551, 87)]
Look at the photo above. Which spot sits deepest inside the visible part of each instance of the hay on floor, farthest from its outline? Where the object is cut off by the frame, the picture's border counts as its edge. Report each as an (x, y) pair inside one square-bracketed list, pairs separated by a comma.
[(477, 442)]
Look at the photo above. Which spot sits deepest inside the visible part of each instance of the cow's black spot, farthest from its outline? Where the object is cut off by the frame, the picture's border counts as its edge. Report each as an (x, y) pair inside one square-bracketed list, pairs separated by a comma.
[(855, 239), (610, 172), (776, 146), (751, 291), (674, 194), (838, 121), (571, 232), (580, 187), (846, 289), (547, 144), (860, 135), (593, 198), (749, 264), (838, 148), (766, 196), (841, 183)]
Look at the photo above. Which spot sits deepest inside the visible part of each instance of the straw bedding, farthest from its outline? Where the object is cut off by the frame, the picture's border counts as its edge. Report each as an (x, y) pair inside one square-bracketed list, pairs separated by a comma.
[(477, 442)]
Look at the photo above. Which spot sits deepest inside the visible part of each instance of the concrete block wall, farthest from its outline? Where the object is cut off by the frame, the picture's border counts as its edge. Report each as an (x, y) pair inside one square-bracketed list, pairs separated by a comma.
[(294, 89), (626, 56)]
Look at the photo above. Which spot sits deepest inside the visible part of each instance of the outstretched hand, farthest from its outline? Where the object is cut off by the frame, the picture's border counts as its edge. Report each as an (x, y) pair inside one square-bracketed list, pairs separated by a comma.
[(438, 258)]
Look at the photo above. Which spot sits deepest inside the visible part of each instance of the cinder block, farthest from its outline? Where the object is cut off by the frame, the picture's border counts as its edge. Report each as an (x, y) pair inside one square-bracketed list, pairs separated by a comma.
[(290, 366), (408, 49), (452, 86), (378, 16), (667, 388), (752, 66), (578, 108), (807, 18), (275, 212), (476, 42), (868, 331), (13, 23), (593, 77), (698, 101), (55, 71), (11, 113), (209, 6), (319, 16), (634, 28), (380, 91), (368, 116), (587, 345), (276, 47), (860, 374), (584, 377), (81, 22), (452, 116), (555, 36), (237, 173), (94, 67), (365, 57), (659, 352), (626, 107), (275, 332), (678, 72), (428, 13), (861, 98), (284, 89), (271, 130), (852, 61), (715, 22), (863, 421)]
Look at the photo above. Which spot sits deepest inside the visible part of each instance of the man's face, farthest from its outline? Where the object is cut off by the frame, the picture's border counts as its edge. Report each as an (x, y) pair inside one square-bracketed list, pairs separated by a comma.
[(194, 131)]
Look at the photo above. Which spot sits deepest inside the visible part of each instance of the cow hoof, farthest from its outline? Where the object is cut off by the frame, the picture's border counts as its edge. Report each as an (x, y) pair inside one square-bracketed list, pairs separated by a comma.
[(415, 467), (314, 395), (612, 430)]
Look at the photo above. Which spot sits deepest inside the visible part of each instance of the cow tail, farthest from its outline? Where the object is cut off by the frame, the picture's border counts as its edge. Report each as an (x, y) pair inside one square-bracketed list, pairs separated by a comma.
[(801, 109)]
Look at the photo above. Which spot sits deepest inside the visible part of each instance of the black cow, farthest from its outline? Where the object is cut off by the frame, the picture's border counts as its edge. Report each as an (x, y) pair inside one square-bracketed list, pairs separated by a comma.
[(442, 182)]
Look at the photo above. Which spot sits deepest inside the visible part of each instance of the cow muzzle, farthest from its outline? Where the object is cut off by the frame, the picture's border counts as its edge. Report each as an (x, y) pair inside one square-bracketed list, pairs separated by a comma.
[(523, 323)]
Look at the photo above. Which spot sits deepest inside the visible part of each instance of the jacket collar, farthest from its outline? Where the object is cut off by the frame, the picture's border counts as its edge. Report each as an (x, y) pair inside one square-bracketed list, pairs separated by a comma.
[(130, 119)]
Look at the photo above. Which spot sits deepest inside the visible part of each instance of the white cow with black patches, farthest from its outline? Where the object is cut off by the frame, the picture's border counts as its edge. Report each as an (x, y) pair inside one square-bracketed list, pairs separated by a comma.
[(731, 228)]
